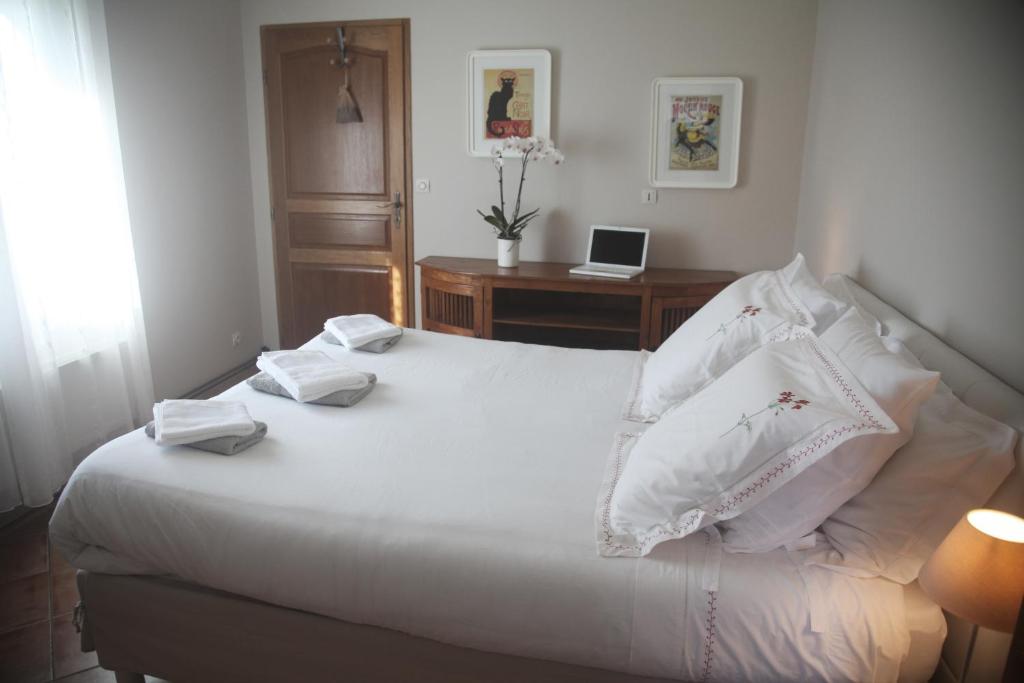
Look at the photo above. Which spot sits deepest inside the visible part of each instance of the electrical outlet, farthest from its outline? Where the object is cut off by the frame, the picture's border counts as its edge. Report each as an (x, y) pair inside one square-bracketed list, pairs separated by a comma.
[(422, 184), (236, 338), (648, 196)]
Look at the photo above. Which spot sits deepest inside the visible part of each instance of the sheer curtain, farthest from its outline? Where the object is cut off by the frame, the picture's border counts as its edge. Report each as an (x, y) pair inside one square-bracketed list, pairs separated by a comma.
[(74, 370)]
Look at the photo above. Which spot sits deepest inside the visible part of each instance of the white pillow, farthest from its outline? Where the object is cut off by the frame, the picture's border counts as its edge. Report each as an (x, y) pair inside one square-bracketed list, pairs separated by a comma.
[(955, 462), (773, 414), (806, 501), (825, 307), (739, 319), (838, 286)]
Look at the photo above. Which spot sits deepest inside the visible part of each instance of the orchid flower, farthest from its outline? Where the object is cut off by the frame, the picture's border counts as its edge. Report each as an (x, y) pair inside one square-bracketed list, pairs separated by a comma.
[(528, 149)]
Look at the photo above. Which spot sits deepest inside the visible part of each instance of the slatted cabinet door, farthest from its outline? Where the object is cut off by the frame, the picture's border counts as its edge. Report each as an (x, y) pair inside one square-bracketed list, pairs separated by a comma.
[(668, 313), (341, 244), (452, 305)]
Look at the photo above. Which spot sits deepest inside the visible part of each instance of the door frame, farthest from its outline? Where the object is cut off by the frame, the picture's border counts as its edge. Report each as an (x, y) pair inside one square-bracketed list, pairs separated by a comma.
[(408, 297)]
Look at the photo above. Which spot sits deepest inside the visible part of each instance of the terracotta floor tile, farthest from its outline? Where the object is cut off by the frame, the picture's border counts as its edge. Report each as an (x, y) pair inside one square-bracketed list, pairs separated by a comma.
[(24, 601), (68, 657), (25, 654), (22, 554)]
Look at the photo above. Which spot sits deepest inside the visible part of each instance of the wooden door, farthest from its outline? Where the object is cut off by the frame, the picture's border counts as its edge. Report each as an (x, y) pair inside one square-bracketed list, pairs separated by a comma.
[(339, 191)]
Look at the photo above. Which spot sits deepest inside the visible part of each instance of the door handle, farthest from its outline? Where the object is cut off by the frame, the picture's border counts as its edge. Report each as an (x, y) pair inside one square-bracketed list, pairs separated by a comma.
[(397, 206)]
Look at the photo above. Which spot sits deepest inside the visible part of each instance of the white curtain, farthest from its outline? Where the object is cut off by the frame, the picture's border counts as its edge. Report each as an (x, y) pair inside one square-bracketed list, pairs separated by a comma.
[(74, 370)]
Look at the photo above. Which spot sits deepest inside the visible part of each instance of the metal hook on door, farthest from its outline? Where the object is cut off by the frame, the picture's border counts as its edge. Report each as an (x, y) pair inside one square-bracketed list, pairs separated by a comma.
[(341, 45)]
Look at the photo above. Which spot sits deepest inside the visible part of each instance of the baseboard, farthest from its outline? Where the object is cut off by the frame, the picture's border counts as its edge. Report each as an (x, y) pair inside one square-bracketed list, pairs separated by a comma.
[(219, 379)]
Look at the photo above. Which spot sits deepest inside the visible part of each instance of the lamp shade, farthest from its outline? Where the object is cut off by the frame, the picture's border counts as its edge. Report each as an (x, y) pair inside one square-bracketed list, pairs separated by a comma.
[(977, 572)]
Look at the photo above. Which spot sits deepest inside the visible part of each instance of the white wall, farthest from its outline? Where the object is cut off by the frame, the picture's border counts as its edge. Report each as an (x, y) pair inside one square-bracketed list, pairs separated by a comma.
[(605, 54), (178, 86), (912, 178)]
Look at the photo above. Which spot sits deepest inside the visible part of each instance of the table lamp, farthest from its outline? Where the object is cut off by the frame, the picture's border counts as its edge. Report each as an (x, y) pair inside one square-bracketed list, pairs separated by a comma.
[(977, 573)]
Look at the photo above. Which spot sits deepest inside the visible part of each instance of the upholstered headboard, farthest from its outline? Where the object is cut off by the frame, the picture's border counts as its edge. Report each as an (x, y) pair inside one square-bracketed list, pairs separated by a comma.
[(987, 394)]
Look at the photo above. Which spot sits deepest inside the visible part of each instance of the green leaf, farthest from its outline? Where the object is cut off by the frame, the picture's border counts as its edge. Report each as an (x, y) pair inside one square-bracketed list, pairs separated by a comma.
[(499, 215), (522, 221)]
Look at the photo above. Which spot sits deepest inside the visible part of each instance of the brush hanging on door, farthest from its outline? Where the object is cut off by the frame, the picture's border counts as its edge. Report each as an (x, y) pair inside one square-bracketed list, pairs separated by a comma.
[(347, 109)]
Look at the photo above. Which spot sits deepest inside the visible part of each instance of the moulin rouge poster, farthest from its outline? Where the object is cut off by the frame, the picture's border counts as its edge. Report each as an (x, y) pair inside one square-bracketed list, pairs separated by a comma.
[(508, 101), (696, 130)]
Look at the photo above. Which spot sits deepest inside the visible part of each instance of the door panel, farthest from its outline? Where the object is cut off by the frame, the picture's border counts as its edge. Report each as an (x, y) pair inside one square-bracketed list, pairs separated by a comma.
[(323, 291), (340, 246), (325, 157), (326, 230)]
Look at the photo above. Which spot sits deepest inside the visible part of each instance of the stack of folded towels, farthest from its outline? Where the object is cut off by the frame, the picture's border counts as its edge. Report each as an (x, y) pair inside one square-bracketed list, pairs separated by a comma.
[(223, 427), (362, 332), (311, 377)]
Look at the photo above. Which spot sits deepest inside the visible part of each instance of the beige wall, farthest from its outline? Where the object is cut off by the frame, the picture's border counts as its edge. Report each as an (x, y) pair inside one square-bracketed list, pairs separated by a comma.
[(912, 179), (605, 54), (177, 73)]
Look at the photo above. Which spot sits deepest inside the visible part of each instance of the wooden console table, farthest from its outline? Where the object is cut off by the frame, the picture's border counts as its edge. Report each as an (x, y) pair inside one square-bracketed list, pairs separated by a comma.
[(541, 303)]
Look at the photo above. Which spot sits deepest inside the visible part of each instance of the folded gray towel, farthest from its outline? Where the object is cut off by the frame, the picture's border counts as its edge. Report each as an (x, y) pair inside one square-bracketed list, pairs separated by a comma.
[(344, 398), (224, 445), (378, 346)]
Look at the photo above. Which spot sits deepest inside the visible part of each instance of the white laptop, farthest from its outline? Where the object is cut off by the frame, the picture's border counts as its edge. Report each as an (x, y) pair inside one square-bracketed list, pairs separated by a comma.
[(615, 252)]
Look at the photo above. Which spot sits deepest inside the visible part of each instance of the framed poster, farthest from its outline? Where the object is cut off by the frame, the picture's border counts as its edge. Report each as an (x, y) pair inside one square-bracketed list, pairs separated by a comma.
[(509, 94), (695, 132)]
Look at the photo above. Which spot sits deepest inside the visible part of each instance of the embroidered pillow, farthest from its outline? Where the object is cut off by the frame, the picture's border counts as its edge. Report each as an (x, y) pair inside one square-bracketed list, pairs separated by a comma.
[(745, 315), (824, 306), (838, 285), (776, 412), (807, 500)]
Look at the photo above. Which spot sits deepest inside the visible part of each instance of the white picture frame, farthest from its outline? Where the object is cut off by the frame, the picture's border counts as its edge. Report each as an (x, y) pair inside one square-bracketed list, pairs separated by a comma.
[(688, 147), (483, 63)]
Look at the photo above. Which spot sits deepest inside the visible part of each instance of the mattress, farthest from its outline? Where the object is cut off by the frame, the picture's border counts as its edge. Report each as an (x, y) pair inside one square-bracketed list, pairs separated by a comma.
[(456, 502)]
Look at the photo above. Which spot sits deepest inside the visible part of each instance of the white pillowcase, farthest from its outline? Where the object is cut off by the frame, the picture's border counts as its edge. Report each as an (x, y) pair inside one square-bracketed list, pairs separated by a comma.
[(838, 286), (807, 500), (955, 462), (824, 306), (738, 320), (773, 414)]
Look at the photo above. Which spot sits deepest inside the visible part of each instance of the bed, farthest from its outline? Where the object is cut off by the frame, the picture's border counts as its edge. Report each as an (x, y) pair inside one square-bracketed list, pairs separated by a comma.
[(442, 529)]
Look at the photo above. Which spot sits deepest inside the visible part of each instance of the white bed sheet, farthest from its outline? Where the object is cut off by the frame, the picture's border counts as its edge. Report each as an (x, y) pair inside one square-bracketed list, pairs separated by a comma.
[(456, 502)]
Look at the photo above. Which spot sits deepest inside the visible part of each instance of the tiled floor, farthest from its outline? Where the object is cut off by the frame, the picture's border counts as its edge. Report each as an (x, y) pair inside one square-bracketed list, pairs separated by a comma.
[(38, 642)]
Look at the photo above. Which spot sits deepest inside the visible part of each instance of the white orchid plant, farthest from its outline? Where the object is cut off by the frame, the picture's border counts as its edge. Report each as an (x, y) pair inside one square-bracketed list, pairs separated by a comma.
[(528, 149)]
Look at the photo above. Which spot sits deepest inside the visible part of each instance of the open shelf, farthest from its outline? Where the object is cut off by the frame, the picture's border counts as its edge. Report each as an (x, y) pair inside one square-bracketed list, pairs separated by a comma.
[(566, 318), (543, 303), (575, 338), (606, 320)]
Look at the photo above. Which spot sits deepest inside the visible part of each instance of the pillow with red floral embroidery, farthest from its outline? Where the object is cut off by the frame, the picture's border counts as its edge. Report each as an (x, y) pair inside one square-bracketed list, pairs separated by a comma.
[(773, 414), (745, 315), (806, 501)]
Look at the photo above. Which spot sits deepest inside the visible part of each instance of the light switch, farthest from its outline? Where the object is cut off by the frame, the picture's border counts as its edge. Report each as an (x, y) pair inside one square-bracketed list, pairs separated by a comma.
[(648, 196), (422, 184)]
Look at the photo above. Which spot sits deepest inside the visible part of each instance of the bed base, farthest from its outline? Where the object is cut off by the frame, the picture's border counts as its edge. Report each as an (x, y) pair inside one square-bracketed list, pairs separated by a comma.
[(186, 633)]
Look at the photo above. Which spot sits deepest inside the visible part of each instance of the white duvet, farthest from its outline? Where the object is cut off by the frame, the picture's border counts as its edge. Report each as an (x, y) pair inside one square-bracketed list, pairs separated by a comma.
[(456, 502)]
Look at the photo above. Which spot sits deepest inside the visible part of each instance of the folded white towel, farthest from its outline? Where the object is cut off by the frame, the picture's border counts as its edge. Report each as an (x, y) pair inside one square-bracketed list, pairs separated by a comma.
[(179, 422), (354, 331), (309, 375)]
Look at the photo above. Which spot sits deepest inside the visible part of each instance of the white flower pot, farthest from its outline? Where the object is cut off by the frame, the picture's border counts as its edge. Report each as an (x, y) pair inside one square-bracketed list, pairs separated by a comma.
[(508, 253)]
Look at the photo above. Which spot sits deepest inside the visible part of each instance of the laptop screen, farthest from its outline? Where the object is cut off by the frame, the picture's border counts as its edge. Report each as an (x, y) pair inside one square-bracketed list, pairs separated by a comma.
[(617, 247)]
